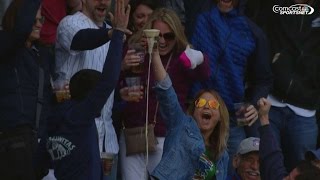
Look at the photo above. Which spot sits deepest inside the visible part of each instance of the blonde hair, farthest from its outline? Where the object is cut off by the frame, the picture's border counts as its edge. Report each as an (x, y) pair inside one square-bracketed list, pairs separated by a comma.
[(219, 137), (172, 20)]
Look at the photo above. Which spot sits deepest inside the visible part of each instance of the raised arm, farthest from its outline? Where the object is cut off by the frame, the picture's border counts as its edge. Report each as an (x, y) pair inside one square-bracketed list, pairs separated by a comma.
[(111, 70), (271, 157), (169, 106), (88, 39)]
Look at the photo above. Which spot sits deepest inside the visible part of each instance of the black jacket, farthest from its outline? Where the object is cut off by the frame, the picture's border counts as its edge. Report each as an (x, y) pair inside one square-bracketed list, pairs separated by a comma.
[(297, 68), (19, 72)]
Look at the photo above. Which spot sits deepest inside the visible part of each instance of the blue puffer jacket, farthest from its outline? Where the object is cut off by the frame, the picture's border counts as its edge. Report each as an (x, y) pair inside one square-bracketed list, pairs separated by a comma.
[(19, 72), (238, 53)]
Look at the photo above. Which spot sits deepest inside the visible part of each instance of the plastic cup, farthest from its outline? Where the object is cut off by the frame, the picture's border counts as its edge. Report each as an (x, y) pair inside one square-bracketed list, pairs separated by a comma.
[(134, 84), (107, 162), (240, 110), (61, 90), (140, 51)]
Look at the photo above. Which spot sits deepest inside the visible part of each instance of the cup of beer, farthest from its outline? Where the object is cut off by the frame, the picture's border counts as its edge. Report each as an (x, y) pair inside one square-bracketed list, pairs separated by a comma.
[(240, 111), (61, 89), (141, 52), (134, 85), (107, 162)]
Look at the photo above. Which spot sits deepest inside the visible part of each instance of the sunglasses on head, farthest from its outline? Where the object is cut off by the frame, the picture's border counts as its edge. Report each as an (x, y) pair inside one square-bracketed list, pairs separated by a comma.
[(168, 36), (201, 102)]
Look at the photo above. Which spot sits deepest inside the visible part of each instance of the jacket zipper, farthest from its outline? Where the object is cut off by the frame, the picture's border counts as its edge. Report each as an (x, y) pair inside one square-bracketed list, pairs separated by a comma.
[(19, 89), (301, 23), (288, 89)]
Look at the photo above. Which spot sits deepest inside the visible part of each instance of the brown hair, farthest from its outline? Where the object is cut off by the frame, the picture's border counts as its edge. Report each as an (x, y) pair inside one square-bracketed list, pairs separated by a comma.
[(172, 20), (219, 137)]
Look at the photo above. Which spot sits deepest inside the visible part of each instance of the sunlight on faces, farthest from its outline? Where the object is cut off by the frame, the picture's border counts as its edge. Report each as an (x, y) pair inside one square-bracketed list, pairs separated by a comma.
[(247, 165), (36, 28), (165, 46), (141, 15), (206, 116), (96, 10)]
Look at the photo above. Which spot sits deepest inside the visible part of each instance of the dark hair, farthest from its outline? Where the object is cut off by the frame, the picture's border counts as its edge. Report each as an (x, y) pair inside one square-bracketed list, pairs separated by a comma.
[(82, 83), (10, 16), (152, 4), (307, 171)]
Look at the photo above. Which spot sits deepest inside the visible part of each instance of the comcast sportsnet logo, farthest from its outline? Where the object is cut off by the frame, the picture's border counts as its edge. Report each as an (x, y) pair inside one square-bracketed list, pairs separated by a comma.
[(296, 9)]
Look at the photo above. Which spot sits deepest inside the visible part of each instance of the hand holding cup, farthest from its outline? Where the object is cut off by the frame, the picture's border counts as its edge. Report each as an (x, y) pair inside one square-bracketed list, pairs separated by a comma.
[(246, 114)]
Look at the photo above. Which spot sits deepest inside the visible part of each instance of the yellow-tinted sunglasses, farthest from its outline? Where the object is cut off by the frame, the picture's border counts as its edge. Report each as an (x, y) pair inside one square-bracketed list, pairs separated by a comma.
[(213, 104)]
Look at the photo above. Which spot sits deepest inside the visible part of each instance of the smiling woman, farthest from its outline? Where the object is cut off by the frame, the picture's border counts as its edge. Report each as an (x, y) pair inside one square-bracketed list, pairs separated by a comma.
[(184, 65), (36, 28), (195, 144), (20, 72)]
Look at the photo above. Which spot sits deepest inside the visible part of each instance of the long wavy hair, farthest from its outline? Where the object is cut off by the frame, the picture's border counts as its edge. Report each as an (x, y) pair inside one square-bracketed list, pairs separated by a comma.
[(172, 20), (219, 137)]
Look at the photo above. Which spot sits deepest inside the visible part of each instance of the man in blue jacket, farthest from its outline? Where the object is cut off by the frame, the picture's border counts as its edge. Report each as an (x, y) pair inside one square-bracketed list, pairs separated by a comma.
[(72, 140), (238, 54)]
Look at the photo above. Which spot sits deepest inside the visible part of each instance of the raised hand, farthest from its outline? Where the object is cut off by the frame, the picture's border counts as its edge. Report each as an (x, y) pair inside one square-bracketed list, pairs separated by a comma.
[(121, 18), (264, 107)]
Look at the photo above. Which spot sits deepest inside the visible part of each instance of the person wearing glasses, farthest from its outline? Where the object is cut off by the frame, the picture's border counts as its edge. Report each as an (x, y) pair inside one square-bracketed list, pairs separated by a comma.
[(238, 53), (196, 141), (184, 65), (21, 69)]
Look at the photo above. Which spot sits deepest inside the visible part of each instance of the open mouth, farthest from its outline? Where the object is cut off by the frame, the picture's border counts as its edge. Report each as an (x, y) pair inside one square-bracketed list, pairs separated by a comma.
[(206, 115), (101, 10)]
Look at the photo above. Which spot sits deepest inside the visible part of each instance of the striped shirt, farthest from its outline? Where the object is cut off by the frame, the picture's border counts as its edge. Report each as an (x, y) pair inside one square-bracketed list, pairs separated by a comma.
[(68, 62)]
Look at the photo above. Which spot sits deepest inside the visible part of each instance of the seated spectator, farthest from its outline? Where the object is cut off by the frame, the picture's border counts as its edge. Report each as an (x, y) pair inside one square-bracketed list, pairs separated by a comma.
[(271, 157), (246, 160), (195, 144)]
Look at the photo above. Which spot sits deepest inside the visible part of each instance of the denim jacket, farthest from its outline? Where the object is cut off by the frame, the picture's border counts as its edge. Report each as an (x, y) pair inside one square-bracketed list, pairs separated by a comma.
[(184, 142)]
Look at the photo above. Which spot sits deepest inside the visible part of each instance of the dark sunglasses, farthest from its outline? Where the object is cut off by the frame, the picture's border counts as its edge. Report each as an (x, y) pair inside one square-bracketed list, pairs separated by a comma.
[(41, 20), (168, 36)]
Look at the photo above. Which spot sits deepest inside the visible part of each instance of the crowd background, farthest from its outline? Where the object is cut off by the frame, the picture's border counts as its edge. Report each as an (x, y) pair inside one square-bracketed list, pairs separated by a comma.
[(227, 46)]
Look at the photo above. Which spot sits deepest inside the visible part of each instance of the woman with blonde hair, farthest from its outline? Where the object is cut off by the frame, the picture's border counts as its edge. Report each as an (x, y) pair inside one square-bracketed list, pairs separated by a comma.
[(184, 65), (195, 145), (216, 138)]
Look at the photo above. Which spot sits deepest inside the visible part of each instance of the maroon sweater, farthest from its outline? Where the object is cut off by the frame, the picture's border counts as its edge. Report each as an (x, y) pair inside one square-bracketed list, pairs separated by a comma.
[(134, 113)]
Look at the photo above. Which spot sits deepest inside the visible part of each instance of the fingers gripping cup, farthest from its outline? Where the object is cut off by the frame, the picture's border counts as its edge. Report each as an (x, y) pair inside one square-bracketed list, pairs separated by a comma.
[(107, 162), (133, 84), (140, 51), (240, 111), (61, 90)]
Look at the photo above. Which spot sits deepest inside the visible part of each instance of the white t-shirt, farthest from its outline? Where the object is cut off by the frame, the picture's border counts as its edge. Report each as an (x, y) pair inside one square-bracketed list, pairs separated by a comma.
[(297, 110)]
